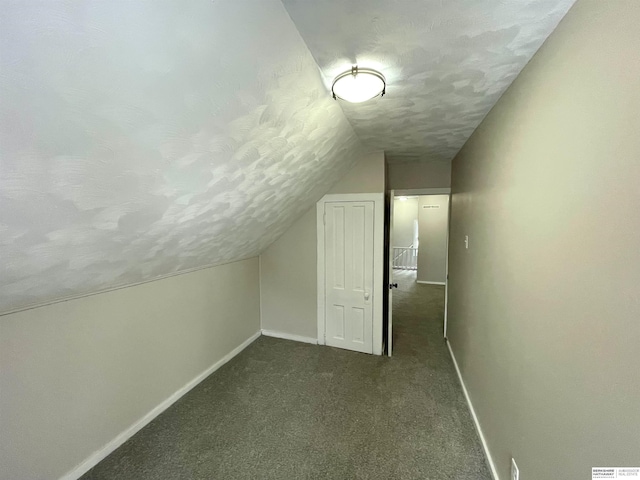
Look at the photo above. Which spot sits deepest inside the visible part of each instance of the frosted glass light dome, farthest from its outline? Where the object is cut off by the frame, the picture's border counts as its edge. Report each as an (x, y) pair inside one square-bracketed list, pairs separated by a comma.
[(358, 85)]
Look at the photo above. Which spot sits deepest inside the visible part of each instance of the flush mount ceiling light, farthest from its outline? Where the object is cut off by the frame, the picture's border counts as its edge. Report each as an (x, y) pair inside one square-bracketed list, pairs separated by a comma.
[(358, 85)]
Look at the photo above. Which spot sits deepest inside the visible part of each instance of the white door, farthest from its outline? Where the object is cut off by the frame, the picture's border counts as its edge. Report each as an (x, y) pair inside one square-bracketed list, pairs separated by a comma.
[(391, 284), (349, 275)]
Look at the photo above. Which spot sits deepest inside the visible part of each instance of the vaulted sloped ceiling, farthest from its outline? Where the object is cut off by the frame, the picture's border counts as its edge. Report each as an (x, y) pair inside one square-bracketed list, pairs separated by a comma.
[(140, 139), (446, 61)]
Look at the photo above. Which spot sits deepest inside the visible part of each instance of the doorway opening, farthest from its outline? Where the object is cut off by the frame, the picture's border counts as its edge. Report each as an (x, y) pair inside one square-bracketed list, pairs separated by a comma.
[(417, 267)]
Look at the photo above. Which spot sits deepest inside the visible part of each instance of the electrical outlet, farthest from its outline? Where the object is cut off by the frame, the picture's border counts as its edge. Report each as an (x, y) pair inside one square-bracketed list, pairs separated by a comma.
[(515, 473)]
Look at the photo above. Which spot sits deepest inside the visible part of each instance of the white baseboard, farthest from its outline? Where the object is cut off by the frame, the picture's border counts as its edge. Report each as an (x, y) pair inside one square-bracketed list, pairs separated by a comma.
[(492, 466), (430, 283), (288, 336), (102, 453)]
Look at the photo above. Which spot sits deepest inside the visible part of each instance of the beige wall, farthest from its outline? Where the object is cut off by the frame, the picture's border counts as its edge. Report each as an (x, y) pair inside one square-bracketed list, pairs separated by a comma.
[(405, 217), (367, 176), (288, 270), (544, 316), (415, 175), (288, 280), (75, 374), (432, 233)]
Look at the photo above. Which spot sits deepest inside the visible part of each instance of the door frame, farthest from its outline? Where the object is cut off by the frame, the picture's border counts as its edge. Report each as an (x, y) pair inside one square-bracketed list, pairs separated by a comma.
[(388, 289), (378, 261), (432, 191)]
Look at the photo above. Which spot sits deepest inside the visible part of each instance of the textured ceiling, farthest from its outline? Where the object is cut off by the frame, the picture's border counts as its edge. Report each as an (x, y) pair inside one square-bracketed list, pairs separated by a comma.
[(446, 62), (140, 139)]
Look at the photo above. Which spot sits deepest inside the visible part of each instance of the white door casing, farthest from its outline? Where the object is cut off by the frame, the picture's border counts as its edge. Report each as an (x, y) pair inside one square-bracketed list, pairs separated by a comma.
[(351, 271), (446, 281), (390, 267)]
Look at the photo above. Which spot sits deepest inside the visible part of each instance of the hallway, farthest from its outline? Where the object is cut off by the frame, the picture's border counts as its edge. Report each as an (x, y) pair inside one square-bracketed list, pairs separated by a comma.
[(418, 313), (287, 410)]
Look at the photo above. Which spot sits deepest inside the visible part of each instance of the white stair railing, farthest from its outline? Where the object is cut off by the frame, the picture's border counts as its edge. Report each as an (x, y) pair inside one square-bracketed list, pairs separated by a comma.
[(405, 258)]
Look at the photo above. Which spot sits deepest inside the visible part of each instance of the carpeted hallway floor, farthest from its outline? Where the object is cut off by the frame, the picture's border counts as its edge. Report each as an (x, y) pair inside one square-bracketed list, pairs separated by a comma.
[(287, 410)]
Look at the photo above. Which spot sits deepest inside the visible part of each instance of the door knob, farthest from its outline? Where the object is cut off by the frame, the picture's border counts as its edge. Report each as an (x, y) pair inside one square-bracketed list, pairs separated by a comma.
[(366, 295), (393, 285)]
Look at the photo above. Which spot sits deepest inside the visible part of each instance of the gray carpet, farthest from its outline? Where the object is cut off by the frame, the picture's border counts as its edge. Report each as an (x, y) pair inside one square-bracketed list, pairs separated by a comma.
[(287, 410)]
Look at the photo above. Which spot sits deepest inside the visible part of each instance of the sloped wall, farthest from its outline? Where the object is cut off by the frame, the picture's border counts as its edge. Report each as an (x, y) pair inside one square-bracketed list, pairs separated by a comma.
[(543, 306), (140, 139)]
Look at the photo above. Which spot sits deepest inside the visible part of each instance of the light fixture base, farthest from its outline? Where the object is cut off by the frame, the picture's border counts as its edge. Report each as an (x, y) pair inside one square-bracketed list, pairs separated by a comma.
[(358, 85)]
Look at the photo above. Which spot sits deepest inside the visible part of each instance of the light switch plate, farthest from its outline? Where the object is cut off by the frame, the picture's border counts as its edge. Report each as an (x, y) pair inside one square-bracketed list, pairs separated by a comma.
[(515, 473)]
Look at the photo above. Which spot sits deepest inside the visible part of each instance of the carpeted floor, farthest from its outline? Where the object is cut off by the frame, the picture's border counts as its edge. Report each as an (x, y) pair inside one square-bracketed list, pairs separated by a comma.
[(287, 410)]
